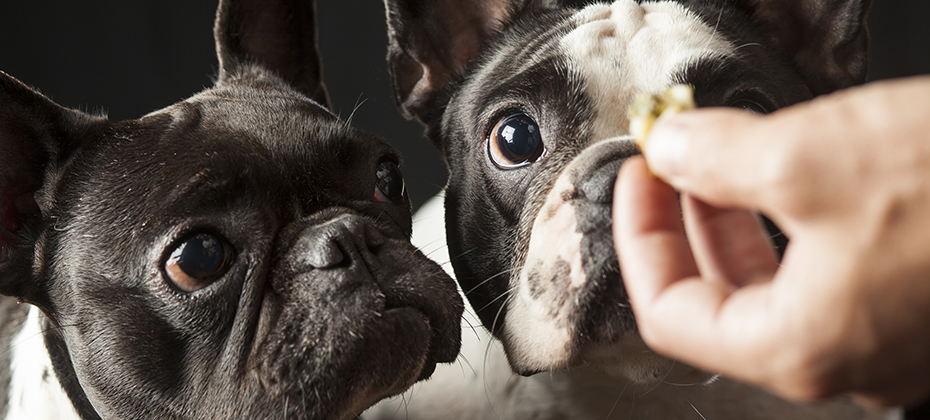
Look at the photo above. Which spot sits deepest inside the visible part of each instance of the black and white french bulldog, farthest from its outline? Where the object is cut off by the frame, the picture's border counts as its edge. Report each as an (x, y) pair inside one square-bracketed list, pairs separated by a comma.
[(242, 254), (527, 100)]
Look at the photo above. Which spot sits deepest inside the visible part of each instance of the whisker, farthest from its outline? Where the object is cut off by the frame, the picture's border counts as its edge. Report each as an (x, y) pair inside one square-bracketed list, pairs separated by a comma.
[(662, 380), (714, 32), (502, 295), (617, 401), (508, 296), (749, 44), (464, 253), (487, 389), (467, 363), (501, 273), (358, 104), (473, 328), (632, 408), (437, 246), (694, 408)]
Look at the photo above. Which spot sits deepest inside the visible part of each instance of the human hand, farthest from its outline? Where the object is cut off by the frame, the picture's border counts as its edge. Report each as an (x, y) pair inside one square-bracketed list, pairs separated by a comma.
[(847, 178)]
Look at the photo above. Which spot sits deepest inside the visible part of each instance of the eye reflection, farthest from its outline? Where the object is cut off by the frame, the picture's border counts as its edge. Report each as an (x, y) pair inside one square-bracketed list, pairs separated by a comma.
[(515, 141), (198, 261)]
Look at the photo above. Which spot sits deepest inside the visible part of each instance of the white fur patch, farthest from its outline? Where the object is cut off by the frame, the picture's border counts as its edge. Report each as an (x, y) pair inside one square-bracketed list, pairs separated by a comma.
[(34, 390), (625, 48), (538, 312)]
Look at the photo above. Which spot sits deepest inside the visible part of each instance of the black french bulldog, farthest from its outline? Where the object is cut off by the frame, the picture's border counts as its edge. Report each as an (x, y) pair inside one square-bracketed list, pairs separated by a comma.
[(239, 254), (528, 100)]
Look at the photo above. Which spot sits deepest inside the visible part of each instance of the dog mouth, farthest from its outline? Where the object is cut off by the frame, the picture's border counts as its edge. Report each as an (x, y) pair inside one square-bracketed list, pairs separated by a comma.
[(405, 337), (416, 325), (362, 329), (436, 344), (370, 351)]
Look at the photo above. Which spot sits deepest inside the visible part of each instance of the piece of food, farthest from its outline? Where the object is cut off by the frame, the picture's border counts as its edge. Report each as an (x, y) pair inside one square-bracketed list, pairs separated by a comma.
[(647, 109)]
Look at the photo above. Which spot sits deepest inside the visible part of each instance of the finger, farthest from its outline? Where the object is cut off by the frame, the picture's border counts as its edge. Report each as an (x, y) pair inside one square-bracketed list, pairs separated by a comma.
[(730, 246), (648, 233), (725, 157), (678, 314)]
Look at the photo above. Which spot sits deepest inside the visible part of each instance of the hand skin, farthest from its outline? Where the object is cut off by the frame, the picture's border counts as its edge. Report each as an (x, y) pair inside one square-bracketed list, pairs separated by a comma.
[(847, 178)]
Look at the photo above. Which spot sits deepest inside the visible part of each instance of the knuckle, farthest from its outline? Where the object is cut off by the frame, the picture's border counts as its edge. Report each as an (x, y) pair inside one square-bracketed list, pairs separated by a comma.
[(784, 176)]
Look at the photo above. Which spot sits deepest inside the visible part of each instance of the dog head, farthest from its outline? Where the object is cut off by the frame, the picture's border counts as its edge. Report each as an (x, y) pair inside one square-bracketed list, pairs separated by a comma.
[(240, 254), (528, 102)]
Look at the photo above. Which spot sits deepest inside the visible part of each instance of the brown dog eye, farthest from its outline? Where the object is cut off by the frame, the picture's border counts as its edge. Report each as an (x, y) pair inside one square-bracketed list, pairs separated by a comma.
[(515, 141), (198, 261), (389, 182)]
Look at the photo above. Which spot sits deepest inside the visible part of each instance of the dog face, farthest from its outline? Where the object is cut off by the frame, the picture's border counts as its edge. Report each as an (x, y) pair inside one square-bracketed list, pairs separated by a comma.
[(528, 100), (240, 254)]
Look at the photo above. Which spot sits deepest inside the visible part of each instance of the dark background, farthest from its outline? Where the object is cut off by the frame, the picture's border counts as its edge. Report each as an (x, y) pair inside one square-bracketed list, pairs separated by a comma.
[(129, 57)]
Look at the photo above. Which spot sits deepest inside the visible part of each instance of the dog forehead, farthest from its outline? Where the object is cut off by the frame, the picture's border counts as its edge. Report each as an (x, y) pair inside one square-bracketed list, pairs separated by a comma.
[(223, 140), (269, 120), (624, 48), (266, 113)]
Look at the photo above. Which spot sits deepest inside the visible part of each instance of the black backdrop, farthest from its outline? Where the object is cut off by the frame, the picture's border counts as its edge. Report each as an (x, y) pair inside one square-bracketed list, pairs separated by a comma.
[(129, 57)]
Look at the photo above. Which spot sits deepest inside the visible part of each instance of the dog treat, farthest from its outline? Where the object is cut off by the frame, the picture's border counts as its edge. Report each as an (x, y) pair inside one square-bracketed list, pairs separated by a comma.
[(648, 108)]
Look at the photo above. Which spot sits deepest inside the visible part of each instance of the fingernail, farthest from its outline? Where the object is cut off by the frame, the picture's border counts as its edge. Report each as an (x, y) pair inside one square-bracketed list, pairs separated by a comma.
[(666, 148)]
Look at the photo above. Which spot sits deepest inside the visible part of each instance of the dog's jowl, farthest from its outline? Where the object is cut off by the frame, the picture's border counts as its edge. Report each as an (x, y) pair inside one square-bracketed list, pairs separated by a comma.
[(527, 101), (242, 254)]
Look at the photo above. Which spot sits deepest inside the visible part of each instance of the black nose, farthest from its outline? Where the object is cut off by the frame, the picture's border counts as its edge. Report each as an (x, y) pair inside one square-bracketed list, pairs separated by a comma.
[(338, 242)]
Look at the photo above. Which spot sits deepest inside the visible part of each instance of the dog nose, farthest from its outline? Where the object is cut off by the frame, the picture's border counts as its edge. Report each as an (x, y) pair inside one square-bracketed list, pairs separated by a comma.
[(595, 169), (337, 242), (598, 184)]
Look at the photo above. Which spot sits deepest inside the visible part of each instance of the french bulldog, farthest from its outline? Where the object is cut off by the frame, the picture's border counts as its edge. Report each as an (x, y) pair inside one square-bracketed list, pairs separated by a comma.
[(241, 254), (527, 101)]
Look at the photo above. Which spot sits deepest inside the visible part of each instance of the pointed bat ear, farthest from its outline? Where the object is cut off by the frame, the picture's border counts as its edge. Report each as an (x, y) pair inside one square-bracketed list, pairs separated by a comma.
[(278, 35), (431, 42), (36, 136), (827, 39)]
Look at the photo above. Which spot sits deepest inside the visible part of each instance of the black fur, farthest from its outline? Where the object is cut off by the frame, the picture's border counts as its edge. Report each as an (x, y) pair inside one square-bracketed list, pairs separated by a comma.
[(259, 161)]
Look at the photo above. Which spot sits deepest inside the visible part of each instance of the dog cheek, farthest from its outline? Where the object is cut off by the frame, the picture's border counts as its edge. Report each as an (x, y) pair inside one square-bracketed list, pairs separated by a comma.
[(142, 335)]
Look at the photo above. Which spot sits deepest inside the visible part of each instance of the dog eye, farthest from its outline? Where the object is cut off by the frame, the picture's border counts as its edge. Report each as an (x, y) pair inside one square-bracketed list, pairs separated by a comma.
[(749, 105), (198, 261), (515, 141), (389, 182)]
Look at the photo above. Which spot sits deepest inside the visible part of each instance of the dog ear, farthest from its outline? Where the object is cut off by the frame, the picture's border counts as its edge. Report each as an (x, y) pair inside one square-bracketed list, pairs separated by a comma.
[(431, 41), (36, 136), (827, 39), (279, 35)]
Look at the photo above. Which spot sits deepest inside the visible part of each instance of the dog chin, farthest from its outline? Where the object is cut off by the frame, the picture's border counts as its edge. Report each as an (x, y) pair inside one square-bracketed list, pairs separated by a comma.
[(395, 356), (368, 356), (399, 358), (631, 359), (627, 358)]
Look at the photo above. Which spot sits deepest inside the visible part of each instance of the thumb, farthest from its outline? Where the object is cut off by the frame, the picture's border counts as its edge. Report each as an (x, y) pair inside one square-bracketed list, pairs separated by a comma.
[(722, 156)]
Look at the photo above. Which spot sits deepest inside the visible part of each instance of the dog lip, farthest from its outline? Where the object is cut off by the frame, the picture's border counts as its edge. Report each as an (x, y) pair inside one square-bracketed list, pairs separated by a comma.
[(437, 350), (412, 314)]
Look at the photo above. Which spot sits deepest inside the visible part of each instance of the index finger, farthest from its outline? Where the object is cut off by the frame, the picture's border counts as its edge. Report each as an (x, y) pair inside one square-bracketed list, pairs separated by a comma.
[(648, 232), (678, 313)]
